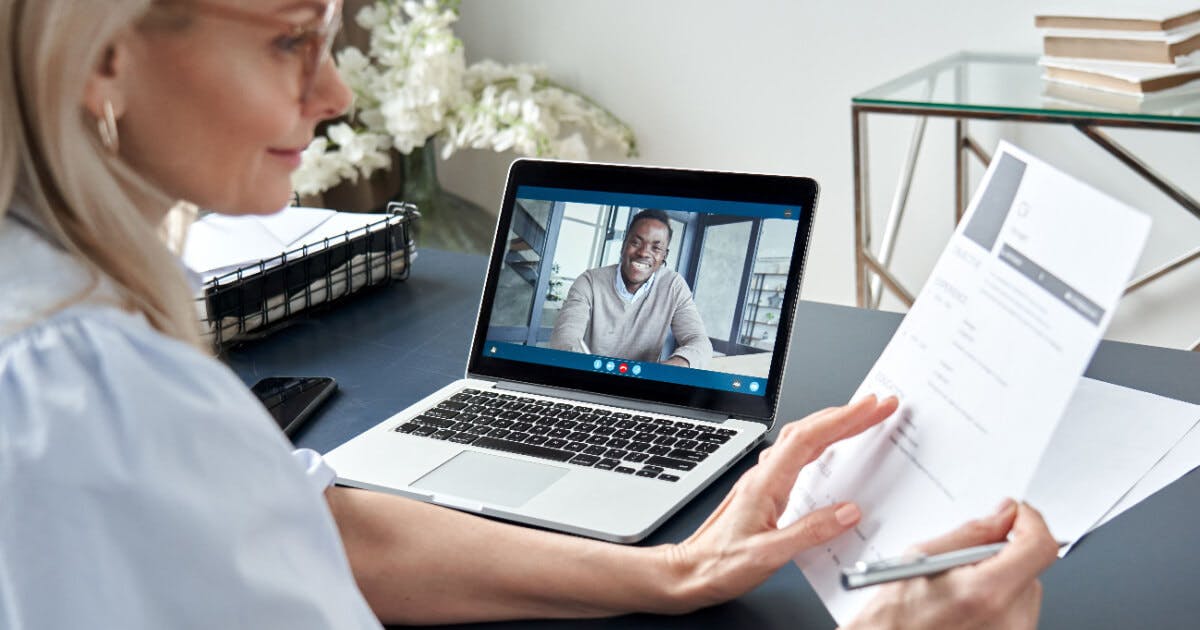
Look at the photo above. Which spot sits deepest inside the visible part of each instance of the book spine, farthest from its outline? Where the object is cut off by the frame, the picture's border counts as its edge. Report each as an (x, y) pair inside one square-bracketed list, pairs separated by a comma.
[(1109, 49)]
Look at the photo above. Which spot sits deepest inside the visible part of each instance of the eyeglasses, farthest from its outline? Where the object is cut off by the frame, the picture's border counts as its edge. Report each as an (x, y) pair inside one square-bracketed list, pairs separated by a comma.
[(312, 41)]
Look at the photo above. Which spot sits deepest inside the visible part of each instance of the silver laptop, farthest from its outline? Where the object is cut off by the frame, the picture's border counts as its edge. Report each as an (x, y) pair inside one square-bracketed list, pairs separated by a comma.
[(629, 348)]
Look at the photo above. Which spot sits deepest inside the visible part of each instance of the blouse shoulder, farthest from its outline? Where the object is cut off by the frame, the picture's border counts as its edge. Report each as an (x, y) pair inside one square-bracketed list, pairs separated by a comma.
[(148, 473)]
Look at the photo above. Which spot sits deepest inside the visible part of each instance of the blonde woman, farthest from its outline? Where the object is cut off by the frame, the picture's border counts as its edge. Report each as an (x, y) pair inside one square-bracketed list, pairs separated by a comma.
[(142, 486)]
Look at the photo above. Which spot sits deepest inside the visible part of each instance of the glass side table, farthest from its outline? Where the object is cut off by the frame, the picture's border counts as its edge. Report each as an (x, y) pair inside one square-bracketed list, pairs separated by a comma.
[(976, 86)]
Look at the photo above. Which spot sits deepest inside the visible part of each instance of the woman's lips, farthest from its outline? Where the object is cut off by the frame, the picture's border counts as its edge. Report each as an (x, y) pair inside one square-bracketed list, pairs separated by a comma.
[(290, 156)]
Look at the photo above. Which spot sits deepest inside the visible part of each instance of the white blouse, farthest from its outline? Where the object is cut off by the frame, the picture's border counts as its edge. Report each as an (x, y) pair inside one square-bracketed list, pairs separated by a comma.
[(141, 484)]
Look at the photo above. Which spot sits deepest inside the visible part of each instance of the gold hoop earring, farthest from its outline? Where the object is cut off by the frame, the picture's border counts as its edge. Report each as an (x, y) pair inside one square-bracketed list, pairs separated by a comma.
[(107, 125)]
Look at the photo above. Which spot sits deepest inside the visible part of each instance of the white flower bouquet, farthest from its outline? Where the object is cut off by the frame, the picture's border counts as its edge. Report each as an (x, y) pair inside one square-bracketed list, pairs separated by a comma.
[(414, 85)]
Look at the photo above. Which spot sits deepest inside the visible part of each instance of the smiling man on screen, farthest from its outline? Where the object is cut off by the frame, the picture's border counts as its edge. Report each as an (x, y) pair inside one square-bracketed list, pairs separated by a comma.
[(626, 310)]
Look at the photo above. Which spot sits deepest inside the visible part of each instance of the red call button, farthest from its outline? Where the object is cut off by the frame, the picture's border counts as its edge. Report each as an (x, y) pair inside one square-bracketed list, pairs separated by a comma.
[(623, 368)]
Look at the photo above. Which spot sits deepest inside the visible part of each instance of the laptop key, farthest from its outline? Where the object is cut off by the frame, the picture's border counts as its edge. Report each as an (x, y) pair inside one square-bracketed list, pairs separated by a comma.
[(523, 427), (453, 405), (607, 464), (595, 450), (517, 436), (597, 439), (498, 433), (463, 438), (575, 447), (616, 453), (578, 436), (647, 473), (535, 440), (636, 458), (666, 477), (670, 462), (687, 444), (708, 447), (531, 450), (638, 447), (558, 433), (626, 424), (617, 443), (435, 422), (625, 470), (665, 440), (424, 430), (442, 413), (556, 443), (658, 450), (538, 429), (713, 437), (408, 427), (462, 396), (584, 460), (691, 456)]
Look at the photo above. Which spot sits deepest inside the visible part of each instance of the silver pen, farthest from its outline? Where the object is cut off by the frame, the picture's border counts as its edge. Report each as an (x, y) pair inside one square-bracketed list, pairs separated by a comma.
[(864, 574)]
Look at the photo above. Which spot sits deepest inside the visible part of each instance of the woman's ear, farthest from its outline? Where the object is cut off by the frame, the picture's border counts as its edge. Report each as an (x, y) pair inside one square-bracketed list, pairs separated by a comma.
[(105, 84)]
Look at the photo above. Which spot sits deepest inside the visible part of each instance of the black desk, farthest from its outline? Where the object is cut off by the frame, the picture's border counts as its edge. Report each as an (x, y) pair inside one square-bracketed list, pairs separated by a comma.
[(389, 348)]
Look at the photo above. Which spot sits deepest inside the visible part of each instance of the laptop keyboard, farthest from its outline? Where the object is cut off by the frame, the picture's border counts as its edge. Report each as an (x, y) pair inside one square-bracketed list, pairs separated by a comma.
[(641, 445)]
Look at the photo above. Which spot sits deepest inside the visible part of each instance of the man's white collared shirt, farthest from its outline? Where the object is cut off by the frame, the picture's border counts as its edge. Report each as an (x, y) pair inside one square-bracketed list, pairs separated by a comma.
[(624, 294)]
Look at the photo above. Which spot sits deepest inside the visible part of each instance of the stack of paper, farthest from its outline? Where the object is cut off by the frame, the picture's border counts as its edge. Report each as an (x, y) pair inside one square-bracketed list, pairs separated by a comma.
[(987, 366), (259, 270), (1153, 48), (218, 244)]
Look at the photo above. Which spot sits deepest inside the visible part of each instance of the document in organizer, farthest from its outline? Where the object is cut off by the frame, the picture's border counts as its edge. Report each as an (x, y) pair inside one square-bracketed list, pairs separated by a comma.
[(984, 365)]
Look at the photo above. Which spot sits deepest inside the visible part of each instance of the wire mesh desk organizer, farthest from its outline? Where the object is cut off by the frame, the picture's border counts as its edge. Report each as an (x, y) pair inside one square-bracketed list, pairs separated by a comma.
[(257, 298)]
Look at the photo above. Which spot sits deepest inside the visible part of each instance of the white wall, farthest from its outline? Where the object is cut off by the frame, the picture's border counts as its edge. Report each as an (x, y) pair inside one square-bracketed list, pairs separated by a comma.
[(765, 85)]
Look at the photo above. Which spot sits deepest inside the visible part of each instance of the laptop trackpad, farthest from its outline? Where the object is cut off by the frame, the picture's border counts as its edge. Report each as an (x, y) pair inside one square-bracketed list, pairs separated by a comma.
[(490, 478)]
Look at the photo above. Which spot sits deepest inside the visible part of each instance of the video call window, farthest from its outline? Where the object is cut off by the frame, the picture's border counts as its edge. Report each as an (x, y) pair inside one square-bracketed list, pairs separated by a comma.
[(735, 268)]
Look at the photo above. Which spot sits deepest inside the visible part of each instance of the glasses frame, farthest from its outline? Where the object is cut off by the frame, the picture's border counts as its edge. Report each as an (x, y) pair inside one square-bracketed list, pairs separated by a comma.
[(322, 31)]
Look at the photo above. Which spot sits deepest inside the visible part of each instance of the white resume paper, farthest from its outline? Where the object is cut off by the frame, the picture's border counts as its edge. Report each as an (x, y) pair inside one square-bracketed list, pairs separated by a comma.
[(984, 365)]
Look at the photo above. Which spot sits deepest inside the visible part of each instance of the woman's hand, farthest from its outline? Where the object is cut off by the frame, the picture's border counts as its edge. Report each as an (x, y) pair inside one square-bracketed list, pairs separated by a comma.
[(740, 546), (1000, 592)]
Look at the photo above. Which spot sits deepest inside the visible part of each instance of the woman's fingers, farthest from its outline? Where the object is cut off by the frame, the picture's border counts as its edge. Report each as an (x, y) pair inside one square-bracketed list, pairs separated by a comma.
[(1030, 550), (802, 442), (978, 532), (815, 528)]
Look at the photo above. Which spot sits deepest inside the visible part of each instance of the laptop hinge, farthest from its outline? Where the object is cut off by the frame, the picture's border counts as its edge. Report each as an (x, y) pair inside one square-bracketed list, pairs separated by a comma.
[(615, 401)]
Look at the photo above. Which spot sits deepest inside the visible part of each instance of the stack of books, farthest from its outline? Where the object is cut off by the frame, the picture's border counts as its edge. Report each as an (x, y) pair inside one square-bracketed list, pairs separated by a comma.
[(1150, 48)]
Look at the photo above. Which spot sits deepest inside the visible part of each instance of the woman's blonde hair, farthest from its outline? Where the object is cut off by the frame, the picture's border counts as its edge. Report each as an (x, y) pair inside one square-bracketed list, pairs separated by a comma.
[(53, 162)]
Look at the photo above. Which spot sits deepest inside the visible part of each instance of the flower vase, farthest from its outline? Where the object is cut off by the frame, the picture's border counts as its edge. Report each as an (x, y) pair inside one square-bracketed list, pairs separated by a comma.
[(447, 221)]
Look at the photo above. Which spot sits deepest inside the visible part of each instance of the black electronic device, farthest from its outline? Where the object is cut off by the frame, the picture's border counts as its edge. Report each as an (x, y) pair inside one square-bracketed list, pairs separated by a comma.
[(292, 400)]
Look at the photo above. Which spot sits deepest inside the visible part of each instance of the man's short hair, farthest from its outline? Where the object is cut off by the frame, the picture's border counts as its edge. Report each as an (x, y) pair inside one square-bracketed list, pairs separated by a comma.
[(657, 215)]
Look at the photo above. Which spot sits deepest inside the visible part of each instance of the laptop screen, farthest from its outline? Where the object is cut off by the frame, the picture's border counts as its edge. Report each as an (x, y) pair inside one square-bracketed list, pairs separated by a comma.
[(645, 290)]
